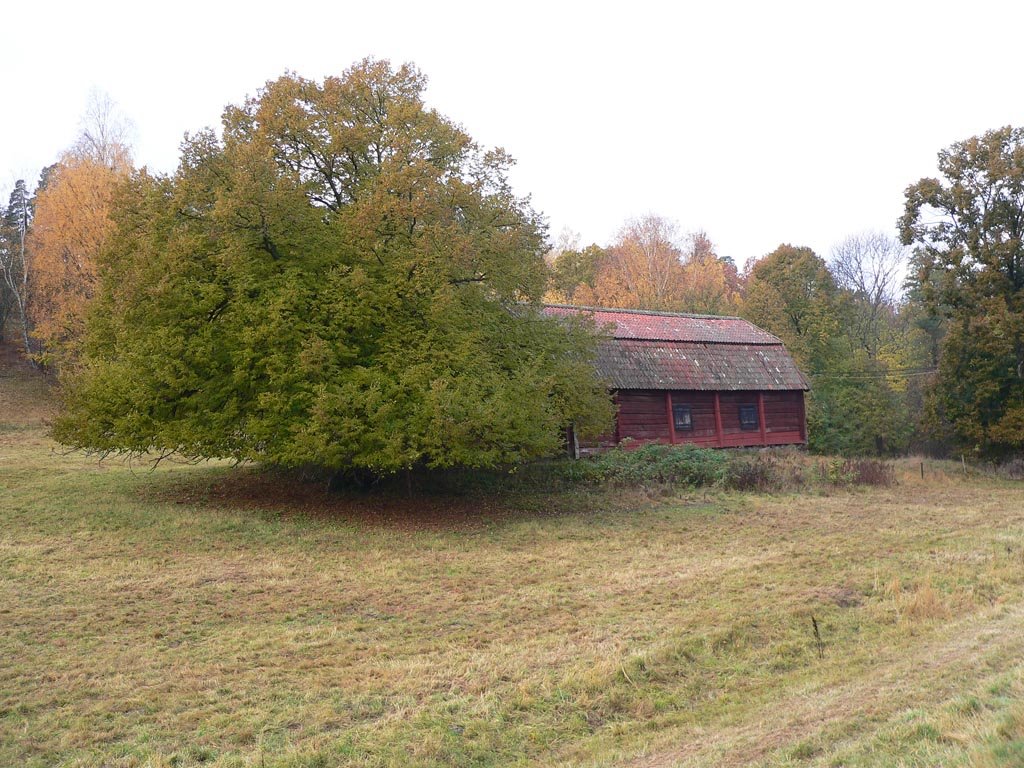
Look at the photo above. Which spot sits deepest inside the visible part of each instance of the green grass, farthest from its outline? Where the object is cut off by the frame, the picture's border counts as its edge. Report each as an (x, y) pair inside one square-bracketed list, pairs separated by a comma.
[(209, 615)]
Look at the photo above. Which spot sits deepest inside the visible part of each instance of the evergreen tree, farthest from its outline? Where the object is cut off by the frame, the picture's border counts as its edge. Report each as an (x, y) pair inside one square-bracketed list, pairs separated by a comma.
[(14, 270)]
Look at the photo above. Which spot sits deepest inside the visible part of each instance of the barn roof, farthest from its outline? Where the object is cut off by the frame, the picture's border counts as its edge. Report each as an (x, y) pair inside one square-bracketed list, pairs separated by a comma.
[(667, 350)]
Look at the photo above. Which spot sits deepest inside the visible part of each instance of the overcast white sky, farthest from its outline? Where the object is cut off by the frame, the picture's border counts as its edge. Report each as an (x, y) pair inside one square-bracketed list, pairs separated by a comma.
[(759, 122)]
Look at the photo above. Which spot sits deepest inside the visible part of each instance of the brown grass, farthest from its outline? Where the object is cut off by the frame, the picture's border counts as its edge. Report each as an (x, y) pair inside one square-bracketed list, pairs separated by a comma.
[(923, 603), (214, 616), (26, 394)]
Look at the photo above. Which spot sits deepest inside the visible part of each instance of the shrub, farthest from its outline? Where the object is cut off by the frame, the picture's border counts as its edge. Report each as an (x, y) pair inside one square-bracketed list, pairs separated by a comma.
[(653, 463), (1012, 469), (767, 470), (757, 470), (833, 472), (763, 473), (861, 471), (869, 472)]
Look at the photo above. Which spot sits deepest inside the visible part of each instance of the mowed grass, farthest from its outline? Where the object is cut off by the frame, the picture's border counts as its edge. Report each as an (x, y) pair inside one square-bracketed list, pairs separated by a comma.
[(213, 616)]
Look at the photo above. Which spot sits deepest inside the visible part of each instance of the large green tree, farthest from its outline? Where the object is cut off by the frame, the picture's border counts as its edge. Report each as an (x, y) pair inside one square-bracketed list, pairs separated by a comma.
[(969, 229), (791, 293), (573, 269), (346, 280), (851, 408)]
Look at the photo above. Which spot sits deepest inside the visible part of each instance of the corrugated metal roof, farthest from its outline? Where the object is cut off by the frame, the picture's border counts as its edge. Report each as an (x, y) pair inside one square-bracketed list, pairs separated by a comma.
[(670, 326), (642, 364), (660, 350)]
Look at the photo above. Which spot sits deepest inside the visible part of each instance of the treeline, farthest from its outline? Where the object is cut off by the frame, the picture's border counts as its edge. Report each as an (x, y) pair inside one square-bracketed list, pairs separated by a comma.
[(340, 262), (915, 344)]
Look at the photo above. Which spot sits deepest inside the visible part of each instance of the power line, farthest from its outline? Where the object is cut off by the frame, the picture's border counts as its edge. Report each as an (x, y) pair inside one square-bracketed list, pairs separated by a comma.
[(905, 374)]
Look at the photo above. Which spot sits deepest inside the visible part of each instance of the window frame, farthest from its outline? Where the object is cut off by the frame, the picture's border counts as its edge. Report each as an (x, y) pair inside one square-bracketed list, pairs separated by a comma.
[(749, 425), (677, 410)]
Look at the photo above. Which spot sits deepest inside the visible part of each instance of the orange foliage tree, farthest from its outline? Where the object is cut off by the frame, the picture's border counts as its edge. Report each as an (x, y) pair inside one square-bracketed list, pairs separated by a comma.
[(72, 222), (641, 270), (711, 285), (647, 269)]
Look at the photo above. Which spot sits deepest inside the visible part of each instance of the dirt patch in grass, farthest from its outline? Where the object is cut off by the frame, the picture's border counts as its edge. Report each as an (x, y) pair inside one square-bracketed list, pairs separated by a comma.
[(291, 496)]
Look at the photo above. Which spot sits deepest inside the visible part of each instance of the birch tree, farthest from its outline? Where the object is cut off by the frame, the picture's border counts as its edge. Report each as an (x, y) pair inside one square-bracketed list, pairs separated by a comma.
[(14, 267)]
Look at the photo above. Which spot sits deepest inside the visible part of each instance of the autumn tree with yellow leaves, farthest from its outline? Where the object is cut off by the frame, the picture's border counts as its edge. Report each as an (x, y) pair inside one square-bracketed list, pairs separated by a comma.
[(711, 285), (72, 223), (651, 265)]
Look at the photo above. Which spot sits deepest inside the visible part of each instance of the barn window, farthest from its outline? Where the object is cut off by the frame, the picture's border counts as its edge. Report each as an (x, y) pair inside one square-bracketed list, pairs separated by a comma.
[(748, 417), (682, 417)]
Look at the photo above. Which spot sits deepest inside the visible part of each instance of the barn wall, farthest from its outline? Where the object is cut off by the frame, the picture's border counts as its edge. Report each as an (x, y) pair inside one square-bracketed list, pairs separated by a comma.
[(733, 436), (643, 416), (702, 412), (784, 415)]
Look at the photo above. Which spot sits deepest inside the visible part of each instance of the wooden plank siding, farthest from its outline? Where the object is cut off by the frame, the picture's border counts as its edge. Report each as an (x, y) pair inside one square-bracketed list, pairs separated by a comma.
[(646, 416), (642, 415)]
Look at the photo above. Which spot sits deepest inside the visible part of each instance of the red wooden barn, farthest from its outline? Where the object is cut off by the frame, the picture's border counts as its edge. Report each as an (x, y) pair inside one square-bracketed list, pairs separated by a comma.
[(713, 381)]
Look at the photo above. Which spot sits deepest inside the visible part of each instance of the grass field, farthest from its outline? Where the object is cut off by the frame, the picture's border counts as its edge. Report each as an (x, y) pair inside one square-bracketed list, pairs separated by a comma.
[(212, 616)]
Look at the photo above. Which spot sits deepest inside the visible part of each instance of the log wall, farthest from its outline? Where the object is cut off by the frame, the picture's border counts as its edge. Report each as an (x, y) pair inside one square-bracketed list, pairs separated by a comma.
[(645, 416)]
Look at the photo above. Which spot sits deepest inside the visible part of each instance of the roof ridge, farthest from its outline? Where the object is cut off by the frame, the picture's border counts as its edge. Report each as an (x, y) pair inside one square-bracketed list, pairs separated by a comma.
[(672, 315), (777, 342), (655, 312)]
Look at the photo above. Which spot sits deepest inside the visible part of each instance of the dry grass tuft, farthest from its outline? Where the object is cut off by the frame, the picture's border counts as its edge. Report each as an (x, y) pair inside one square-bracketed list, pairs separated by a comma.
[(923, 603)]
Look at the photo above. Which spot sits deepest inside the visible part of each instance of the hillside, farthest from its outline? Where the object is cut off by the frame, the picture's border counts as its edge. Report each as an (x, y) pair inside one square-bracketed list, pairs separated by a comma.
[(201, 615)]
